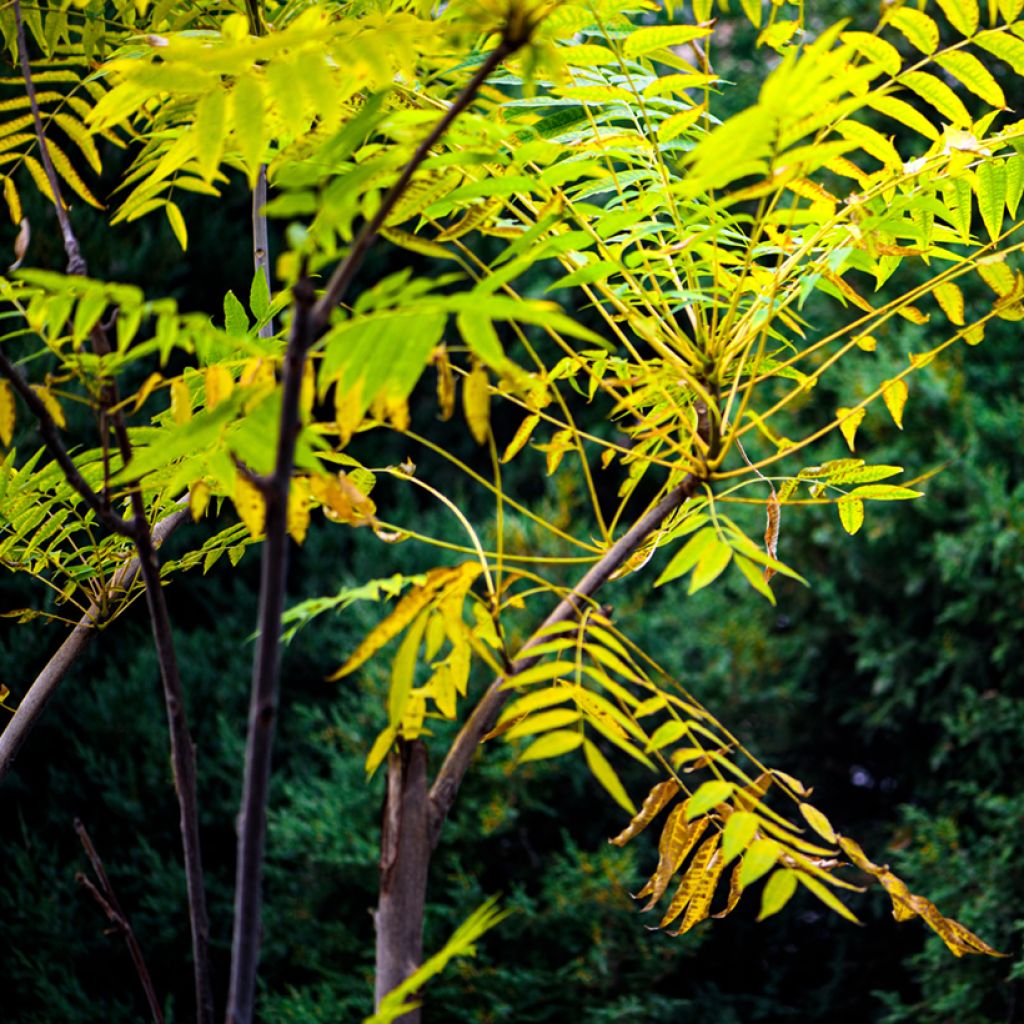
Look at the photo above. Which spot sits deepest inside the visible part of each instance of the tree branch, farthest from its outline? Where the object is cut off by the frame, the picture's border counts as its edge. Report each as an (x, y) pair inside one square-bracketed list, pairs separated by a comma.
[(481, 720), (45, 684), (309, 321), (107, 899), (76, 265)]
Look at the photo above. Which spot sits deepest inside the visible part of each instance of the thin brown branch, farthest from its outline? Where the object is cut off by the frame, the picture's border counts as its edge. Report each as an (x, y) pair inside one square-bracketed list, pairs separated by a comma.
[(309, 321), (481, 720), (45, 684), (76, 264), (106, 897)]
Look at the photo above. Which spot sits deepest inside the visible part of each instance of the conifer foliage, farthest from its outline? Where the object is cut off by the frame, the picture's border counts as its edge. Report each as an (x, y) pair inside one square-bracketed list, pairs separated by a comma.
[(484, 143)]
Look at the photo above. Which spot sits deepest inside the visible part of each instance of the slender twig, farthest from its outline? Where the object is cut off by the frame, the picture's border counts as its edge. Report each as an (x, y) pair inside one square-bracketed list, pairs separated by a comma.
[(309, 321), (481, 720), (45, 684), (138, 529), (106, 897), (75, 263)]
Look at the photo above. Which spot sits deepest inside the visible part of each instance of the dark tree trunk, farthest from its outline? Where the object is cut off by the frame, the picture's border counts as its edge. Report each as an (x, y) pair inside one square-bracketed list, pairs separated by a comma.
[(405, 856)]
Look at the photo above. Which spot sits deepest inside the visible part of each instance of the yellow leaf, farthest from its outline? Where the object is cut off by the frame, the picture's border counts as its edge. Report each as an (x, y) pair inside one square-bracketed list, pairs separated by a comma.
[(678, 838), (249, 505), (818, 822), (605, 774), (298, 509), (951, 301), (894, 392), (348, 410), (688, 886), (735, 892), (445, 383), (963, 15), (654, 802), (543, 721), (380, 748), (177, 222), (700, 902), (342, 501), (794, 785), (198, 499), (53, 407), (217, 384), (13, 200), (849, 421), (476, 403), (6, 412), (777, 892), (307, 391), (851, 513), (867, 342), (826, 896), (919, 29), (146, 390), (437, 581), (553, 744), (403, 671), (181, 402), (966, 68), (522, 435)]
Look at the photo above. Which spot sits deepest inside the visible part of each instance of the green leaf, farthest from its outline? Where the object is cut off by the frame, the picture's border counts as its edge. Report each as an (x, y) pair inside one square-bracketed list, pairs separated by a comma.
[(481, 339), (884, 492), (709, 795), (259, 295), (236, 320), (688, 556), (605, 774), (851, 513), (711, 565), (760, 857), (210, 132), (554, 744), (642, 41), (666, 733), (990, 185), (777, 892), (739, 831)]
